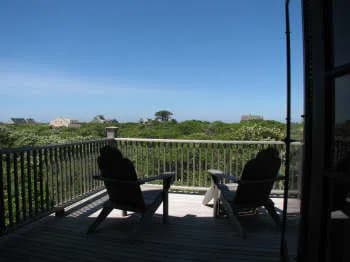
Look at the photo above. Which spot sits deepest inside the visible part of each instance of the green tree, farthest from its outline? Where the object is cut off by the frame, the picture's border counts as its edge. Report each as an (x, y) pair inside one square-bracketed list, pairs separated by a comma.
[(6, 140), (163, 115)]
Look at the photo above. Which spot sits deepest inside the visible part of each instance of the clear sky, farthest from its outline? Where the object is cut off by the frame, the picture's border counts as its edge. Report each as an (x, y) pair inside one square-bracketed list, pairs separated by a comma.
[(200, 59)]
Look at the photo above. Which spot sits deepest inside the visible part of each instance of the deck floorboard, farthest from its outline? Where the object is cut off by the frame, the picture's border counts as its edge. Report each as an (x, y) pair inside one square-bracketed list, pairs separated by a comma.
[(191, 235)]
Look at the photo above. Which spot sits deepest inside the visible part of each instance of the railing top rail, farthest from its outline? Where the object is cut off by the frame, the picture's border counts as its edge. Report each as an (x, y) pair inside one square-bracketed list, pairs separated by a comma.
[(29, 148), (180, 141), (268, 142)]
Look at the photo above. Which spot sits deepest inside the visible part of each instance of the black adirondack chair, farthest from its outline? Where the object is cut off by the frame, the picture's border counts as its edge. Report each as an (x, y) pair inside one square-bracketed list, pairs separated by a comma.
[(125, 191), (253, 190)]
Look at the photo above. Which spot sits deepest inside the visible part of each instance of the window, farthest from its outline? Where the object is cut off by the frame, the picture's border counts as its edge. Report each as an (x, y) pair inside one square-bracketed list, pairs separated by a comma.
[(341, 22)]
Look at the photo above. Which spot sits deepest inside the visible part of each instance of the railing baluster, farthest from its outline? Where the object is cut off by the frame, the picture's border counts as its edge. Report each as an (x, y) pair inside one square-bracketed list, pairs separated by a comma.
[(136, 155), (170, 157), (206, 164), (9, 189), (193, 164), (147, 159), (57, 174), (212, 156), (69, 172), (100, 146), (158, 157), (224, 158), (176, 162), (154, 160), (81, 167), (230, 159), (182, 163), (47, 175), (29, 181), (35, 178), (63, 173), (164, 155), (75, 181), (41, 182), (188, 165), (236, 161), (2, 197), (94, 163), (15, 177), (200, 173), (218, 156), (53, 177), (23, 187), (88, 166)]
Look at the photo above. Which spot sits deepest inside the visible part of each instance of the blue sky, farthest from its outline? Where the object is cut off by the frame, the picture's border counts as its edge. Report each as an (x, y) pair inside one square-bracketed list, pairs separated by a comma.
[(200, 59)]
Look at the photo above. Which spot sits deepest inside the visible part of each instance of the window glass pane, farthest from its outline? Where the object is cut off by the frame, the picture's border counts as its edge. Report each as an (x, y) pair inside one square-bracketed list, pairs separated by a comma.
[(342, 117), (341, 20), (342, 143)]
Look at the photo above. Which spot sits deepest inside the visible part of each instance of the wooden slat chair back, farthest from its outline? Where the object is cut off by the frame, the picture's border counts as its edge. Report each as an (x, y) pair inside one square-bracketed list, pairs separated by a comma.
[(257, 179), (253, 190), (123, 188)]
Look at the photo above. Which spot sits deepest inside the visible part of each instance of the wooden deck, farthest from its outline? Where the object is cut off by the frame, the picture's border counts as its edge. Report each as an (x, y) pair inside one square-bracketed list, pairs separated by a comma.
[(192, 235)]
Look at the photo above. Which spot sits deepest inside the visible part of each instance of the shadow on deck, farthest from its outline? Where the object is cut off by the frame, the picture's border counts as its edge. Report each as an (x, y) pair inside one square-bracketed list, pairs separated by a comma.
[(192, 234)]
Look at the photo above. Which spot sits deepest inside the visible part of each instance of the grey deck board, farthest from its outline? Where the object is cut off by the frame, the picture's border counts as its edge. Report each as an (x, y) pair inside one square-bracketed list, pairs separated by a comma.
[(192, 235)]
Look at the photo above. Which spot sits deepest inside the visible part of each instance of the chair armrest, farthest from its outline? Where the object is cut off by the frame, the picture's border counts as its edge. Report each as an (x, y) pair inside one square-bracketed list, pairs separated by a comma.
[(113, 180), (262, 181), (162, 176), (219, 175), (169, 176), (102, 178)]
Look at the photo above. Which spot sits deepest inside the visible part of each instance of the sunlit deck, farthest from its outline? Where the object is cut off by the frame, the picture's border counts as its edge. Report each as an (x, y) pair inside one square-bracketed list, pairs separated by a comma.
[(192, 234)]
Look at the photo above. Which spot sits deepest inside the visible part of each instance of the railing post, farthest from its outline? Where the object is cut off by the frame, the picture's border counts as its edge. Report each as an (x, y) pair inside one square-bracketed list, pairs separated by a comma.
[(112, 131)]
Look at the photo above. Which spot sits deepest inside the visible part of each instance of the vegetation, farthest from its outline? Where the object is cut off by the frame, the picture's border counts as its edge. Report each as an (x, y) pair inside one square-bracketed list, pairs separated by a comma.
[(41, 134), (58, 172), (163, 115)]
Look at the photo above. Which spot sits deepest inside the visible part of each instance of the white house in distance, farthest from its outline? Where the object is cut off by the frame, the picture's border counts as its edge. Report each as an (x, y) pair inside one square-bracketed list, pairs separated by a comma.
[(64, 122)]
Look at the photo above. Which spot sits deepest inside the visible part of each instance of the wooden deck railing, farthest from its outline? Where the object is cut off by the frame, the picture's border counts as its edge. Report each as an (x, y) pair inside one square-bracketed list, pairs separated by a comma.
[(191, 159), (36, 180)]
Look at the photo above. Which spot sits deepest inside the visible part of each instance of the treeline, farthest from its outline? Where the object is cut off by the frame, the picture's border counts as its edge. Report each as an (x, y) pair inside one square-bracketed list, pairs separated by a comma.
[(41, 134)]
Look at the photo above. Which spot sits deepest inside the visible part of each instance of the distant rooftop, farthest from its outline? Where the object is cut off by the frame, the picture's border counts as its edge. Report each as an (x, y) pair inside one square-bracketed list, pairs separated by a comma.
[(251, 117), (22, 121)]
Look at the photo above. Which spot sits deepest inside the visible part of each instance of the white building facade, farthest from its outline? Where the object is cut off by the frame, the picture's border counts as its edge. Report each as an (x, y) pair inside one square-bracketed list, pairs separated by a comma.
[(64, 122)]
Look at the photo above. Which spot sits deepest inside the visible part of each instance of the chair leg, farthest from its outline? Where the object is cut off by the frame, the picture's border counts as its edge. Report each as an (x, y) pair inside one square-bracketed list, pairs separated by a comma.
[(145, 219), (165, 207), (233, 218), (102, 216), (270, 206), (215, 196), (208, 196), (216, 208), (148, 214)]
